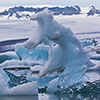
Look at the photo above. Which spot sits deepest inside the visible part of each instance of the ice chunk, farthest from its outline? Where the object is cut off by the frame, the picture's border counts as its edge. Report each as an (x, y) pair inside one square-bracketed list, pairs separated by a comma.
[(8, 56), (53, 86), (29, 88), (2, 86), (86, 43), (3, 75), (40, 53), (36, 68), (38, 56), (13, 63), (22, 52), (66, 52), (24, 89)]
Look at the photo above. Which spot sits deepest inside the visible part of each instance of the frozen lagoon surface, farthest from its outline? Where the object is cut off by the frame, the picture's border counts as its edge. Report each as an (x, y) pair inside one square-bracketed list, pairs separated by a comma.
[(83, 28)]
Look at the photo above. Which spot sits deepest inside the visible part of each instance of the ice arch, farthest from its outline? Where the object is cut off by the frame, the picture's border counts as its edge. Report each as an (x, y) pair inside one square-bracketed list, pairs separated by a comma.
[(65, 53)]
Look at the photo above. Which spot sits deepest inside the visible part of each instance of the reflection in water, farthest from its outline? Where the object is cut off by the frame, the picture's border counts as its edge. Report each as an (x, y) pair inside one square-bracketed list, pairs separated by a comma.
[(19, 98), (54, 97)]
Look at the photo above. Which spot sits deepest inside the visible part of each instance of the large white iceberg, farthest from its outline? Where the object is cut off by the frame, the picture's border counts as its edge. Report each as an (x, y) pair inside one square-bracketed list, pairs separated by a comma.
[(65, 55)]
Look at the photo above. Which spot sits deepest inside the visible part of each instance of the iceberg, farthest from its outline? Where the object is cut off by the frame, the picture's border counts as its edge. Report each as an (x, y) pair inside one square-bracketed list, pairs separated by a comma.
[(66, 54)]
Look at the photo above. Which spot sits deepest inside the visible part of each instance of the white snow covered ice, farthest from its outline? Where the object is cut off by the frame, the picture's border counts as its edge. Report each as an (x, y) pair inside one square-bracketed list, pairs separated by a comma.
[(66, 52)]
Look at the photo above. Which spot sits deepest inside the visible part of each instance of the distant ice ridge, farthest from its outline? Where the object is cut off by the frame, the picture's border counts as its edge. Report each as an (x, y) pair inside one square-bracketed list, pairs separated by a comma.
[(22, 12), (65, 55)]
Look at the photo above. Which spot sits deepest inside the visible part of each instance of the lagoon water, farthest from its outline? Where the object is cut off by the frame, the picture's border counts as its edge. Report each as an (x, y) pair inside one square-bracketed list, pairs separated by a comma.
[(19, 98), (54, 97)]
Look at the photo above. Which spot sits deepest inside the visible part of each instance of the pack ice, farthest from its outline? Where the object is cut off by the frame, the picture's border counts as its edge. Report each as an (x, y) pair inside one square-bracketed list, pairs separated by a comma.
[(65, 55)]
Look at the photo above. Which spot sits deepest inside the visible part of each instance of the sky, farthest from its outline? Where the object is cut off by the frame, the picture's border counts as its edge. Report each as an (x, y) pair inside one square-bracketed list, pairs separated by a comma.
[(81, 3)]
